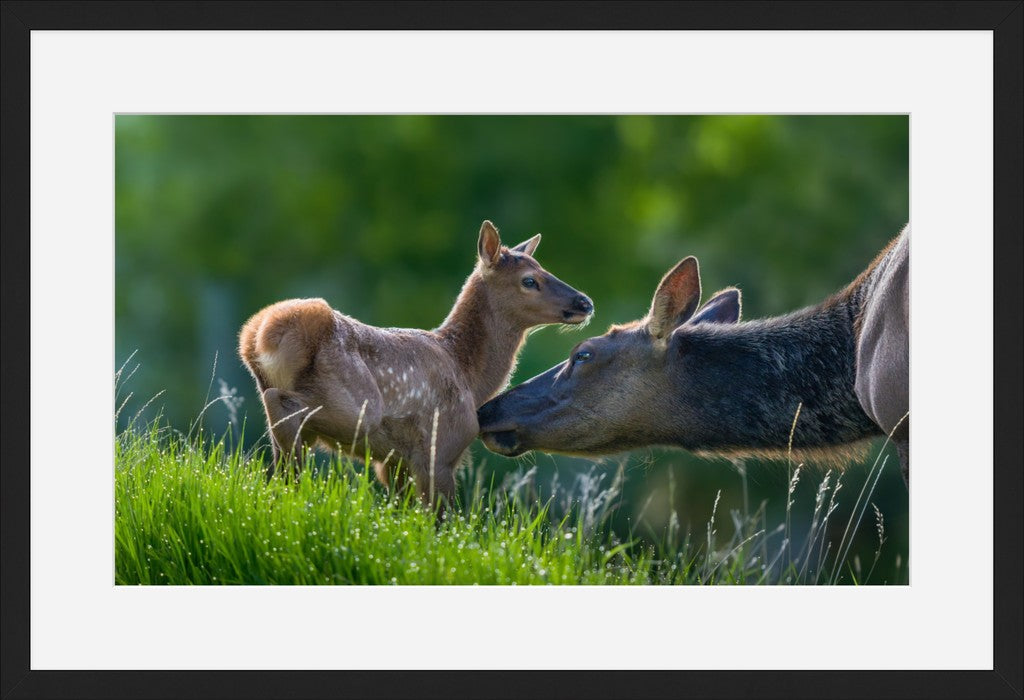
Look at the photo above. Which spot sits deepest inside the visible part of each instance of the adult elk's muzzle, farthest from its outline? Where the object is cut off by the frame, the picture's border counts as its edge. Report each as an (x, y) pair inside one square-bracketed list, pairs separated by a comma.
[(507, 420)]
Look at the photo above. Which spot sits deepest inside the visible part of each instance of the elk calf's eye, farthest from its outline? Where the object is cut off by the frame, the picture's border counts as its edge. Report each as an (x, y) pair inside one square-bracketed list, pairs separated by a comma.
[(529, 283), (582, 356)]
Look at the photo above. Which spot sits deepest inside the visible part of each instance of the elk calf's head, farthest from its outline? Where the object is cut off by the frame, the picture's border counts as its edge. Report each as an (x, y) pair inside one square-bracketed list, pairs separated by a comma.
[(603, 398), (520, 289)]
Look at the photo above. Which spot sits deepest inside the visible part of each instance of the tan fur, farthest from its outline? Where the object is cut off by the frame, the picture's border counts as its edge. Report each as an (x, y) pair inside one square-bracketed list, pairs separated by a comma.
[(280, 340), (326, 378), (832, 457)]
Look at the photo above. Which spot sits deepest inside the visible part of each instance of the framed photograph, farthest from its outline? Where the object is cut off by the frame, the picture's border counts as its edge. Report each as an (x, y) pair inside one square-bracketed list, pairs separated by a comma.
[(394, 354)]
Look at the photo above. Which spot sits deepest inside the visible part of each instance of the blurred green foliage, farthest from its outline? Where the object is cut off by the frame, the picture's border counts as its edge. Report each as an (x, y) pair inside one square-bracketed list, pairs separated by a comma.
[(217, 216)]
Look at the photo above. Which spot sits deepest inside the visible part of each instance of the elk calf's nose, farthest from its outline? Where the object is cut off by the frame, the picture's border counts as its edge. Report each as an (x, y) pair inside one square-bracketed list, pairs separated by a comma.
[(582, 304)]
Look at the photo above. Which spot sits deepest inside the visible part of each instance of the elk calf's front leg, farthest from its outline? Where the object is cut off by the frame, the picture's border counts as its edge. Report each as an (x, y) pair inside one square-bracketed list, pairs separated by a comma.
[(444, 486), (438, 493)]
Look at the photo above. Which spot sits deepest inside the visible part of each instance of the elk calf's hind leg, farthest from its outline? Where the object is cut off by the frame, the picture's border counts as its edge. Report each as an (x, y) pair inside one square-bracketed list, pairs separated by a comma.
[(394, 475), (286, 412)]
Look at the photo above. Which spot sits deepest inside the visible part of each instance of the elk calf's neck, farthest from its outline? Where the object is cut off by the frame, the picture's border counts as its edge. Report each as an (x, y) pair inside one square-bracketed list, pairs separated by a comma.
[(326, 378), (482, 338), (696, 378)]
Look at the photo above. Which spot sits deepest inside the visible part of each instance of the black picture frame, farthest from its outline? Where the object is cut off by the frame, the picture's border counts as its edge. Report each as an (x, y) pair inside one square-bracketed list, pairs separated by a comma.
[(1004, 19)]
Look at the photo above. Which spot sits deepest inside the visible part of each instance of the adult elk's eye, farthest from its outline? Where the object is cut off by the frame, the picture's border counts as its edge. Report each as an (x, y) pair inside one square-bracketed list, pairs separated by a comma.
[(581, 356), (529, 283)]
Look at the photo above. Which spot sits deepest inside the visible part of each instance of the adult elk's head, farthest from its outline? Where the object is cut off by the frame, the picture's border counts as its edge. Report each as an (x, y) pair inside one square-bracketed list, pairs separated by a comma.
[(613, 392)]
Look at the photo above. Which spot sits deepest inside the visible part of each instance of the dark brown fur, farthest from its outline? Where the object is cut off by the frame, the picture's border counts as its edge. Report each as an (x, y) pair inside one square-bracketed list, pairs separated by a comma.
[(412, 395)]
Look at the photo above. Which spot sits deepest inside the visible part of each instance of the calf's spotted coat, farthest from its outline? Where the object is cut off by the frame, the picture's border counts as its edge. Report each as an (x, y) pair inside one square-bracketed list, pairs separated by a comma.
[(326, 378)]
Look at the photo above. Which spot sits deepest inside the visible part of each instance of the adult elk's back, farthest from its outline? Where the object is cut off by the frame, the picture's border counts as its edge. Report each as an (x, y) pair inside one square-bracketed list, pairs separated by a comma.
[(696, 378), (326, 378)]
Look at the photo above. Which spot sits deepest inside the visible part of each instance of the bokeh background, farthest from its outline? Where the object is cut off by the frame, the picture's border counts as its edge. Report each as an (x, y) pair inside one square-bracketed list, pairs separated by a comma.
[(217, 216)]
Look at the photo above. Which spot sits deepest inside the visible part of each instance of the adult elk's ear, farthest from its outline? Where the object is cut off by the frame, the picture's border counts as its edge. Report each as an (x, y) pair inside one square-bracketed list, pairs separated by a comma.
[(676, 298), (489, 245), (528, 246), (723, 307)]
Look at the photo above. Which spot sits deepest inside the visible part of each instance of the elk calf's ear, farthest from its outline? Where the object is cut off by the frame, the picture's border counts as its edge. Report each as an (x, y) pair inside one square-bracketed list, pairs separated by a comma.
[(489, 245), (723, 307), (676, 299), (528, 246)]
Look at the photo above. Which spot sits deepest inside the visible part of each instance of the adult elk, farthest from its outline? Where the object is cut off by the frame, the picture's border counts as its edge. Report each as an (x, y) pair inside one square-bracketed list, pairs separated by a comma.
[(324, 376), (697, 378)]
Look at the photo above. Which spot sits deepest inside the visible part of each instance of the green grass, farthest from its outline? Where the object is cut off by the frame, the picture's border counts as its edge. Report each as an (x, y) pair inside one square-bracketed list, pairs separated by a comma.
[(206, 516), (193, 511)]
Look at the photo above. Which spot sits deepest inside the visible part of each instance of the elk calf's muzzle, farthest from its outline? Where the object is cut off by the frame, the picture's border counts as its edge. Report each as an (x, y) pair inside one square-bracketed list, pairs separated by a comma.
[(580, 308)]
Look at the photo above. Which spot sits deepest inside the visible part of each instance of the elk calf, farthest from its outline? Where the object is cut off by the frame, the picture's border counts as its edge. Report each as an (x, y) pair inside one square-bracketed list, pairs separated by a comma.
[(326, 378), (698, 379)]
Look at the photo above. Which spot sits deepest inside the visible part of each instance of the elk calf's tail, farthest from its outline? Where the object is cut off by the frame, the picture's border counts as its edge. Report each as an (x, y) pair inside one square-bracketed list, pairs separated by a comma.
[(280, 341)]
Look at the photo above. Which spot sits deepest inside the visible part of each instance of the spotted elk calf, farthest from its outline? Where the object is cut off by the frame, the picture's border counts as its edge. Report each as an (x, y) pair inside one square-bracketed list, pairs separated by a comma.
[(326, 378), (694, 377)]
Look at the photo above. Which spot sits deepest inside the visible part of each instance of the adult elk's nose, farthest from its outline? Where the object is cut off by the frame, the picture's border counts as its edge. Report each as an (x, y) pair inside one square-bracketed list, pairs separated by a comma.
[(582, 304), (486, 414)]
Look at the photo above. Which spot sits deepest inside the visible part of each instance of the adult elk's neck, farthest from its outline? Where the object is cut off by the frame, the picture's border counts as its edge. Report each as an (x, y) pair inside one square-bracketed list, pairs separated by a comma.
[(741, 384), (483, 341)]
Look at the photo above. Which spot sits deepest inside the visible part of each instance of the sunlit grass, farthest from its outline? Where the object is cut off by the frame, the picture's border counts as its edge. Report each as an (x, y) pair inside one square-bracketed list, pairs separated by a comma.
[(186, 515), (194, 511)]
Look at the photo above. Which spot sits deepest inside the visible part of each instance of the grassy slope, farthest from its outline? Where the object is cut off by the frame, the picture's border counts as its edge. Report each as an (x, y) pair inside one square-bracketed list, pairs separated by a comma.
[(188, 516)]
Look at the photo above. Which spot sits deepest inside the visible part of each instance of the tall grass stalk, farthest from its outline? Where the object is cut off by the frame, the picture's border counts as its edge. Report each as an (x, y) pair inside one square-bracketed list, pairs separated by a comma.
[(863, 497)]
